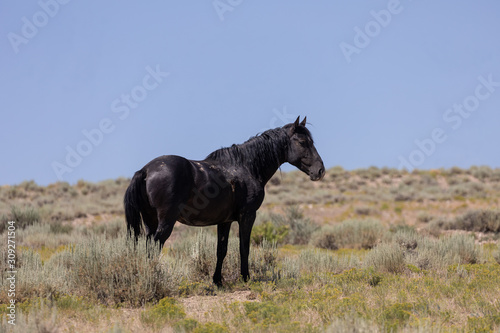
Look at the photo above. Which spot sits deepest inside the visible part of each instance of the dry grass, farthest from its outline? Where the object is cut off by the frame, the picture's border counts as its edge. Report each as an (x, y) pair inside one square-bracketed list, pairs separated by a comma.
[(391, 251)]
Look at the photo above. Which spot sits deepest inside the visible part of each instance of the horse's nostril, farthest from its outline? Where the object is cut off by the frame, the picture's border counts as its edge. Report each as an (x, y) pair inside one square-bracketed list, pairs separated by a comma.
[(322, 172)]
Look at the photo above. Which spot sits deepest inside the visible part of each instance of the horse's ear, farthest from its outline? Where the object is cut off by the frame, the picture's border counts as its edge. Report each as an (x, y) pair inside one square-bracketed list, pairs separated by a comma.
[(297, 122), (303, 123)]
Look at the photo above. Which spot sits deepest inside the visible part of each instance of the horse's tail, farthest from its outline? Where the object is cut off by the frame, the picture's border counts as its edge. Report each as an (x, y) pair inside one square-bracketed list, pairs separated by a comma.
[(133, 202)]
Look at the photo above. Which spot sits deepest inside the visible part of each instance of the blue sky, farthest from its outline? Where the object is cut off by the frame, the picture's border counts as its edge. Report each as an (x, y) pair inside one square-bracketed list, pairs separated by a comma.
[(383, 83)]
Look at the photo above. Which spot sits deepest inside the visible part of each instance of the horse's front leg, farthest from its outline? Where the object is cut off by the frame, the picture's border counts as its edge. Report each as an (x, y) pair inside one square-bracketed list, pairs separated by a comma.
[(246, 223), (222, 240)]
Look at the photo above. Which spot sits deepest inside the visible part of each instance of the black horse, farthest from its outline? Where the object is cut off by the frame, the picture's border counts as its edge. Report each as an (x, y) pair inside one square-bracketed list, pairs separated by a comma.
[(226, 186)]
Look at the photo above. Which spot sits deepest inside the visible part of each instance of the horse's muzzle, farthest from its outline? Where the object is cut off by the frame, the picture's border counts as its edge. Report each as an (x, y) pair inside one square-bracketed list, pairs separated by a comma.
[(318, 175)]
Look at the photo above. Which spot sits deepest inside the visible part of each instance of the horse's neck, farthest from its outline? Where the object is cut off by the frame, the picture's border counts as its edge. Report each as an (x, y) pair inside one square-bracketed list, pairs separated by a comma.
[(268, 174), (269, 167)]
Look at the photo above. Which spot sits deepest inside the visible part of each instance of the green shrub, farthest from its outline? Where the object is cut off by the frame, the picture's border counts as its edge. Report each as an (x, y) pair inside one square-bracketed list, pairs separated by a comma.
[(351, 323), (453, 171), (426, 253), (437, 225), (488, 323), (119, 271), (110, 271), (337, 173), (200, 253), (24, 216), (318, 261), (268, 231), (112, 229), (32, 279), (44, 235), (458, 248), (59, 228), (468, 190), (299, 227), (168, 310), (365, 211), (404, 193), (496, 254), (30, 185), (455, 249), (386, 257), (266, 314), (481, 172), (186, 325), (424, 217), (40, 318), (211, 327), (396, 316), (371, 173), (326, 238), (71, 303), (356, 234), (264, 262), (481, 220)]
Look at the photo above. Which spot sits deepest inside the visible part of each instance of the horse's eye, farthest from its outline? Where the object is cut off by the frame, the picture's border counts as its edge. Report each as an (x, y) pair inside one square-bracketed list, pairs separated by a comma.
[(303, 143)]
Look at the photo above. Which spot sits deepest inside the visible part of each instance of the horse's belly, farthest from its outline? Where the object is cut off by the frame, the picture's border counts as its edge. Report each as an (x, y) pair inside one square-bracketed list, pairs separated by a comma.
[(208, 205), (201, 216)]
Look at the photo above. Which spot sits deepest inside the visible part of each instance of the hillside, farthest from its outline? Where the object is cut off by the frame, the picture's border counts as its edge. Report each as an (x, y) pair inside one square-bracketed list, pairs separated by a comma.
[(392, 196)]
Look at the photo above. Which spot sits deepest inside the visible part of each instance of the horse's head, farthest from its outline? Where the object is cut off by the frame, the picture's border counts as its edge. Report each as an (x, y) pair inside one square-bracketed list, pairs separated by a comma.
[(301, 151)]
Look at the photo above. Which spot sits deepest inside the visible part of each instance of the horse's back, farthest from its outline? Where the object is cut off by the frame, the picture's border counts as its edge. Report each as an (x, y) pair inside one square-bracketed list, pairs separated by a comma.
[(199, 190)]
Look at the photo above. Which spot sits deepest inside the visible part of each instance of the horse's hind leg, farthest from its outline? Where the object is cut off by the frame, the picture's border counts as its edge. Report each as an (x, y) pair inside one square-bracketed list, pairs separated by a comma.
[(166, 222), (150, 218)]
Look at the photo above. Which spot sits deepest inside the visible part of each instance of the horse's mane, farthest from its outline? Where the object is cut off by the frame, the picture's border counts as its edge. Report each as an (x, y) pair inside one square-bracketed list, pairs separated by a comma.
[(260, 152)]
